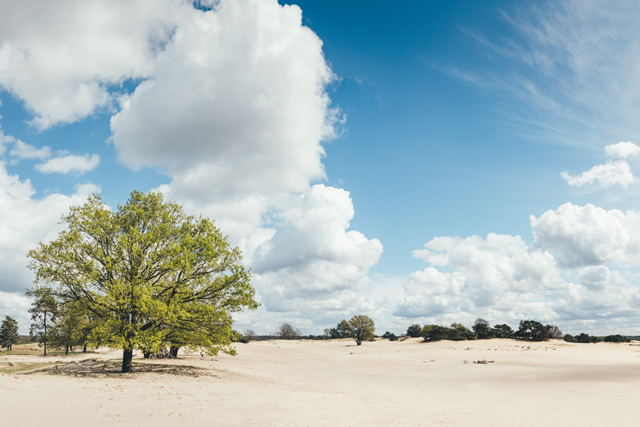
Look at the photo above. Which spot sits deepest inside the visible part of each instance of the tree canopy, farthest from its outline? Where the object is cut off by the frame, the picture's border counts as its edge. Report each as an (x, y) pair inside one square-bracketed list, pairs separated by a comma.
[(9, 333), (360, 328), (147, 274)]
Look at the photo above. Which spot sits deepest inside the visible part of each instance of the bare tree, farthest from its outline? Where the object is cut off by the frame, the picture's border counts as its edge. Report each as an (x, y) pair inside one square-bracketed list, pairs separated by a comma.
[(556, 332), (250, 334), (287, 332)]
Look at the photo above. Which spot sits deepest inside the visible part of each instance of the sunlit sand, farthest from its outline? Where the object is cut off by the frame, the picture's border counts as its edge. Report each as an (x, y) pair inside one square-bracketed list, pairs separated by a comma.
[(336, 383)]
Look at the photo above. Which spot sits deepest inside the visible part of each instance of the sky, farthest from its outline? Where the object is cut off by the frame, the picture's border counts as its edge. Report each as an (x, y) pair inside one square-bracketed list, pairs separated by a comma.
[(417, 162)]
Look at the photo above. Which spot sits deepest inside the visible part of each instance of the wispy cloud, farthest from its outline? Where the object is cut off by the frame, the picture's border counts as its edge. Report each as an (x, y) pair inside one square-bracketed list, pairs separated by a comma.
[(575, 65)]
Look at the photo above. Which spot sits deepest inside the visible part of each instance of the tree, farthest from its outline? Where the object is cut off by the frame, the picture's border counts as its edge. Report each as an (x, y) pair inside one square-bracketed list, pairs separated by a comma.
[(287, 332), (390, 335), (360, 328), (43, 313), (555, 331), (583, 338), (459, 332), (435, 332), (503, 331), (334, 333), (569, 338), (9, 333), (250, 334), (532, 330), (148, 274), (414, 331), (483, 330)]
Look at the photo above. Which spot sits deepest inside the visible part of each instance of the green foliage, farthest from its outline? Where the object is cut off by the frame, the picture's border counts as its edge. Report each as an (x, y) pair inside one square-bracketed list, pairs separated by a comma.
[(457, 332), (9, 333), (44, 312), (483, 330), (334, 333), (503, 331), (414, 330), (390, 336), (569, 338), (616, 338), (532, 330), (583, 338), (147, 276), (360, 328)]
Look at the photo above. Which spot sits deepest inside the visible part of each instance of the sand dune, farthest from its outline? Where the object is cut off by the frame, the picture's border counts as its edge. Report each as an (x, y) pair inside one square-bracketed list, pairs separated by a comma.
[(335, 383)]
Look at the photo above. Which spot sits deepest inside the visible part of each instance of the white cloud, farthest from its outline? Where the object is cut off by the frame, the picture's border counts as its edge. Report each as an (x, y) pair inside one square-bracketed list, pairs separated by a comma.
[(61, 57), (24, 221), (622, 150), (502, 279), (589, 235), (311, 264), (608, 174), (70, 163), (498, 273), (22, 150), (241, 94)]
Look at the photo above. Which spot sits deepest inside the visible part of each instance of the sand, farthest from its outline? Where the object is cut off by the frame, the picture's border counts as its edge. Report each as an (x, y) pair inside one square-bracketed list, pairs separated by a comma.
[(335, 383)]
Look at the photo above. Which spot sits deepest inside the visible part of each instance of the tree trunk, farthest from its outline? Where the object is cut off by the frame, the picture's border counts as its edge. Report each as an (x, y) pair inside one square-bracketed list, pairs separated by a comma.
[(127, 356), (84, 350), (66, 351), (174, 351)]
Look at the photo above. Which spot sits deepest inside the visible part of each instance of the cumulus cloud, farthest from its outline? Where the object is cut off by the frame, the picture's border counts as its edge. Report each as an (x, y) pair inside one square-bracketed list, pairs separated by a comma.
[(70, 163), (24, 221), (564, 277), (607, 175), (588, 235), (311, 264), (241, 94), (232, 105), (622, 150), (485, 271), (61, 57)]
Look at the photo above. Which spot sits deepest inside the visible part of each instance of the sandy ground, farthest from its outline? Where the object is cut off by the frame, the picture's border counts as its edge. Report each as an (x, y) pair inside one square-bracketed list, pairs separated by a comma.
[(335, 383)]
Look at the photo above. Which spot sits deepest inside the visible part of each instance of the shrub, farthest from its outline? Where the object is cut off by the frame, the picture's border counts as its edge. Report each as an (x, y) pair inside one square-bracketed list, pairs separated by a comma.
[(532, 330), (483, 330), (503, 331), (616, 338), (414, 331), (391, 336)]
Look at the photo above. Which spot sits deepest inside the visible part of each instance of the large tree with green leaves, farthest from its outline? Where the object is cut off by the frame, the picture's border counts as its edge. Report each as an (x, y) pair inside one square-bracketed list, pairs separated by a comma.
[(9, 333), (44, 312), (148, 274), (360, 328)]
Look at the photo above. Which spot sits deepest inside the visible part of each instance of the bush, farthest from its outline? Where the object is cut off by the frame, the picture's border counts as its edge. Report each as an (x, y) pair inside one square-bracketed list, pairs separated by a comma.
[(569, 338), (483, 330), (503, 331), (457, 332), (616, 338), (414, 331), (391, 336), (532, 330), (583, 338)]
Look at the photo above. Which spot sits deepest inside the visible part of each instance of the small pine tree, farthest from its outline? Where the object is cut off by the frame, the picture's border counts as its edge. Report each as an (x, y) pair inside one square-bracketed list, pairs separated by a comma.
[(9, 333)]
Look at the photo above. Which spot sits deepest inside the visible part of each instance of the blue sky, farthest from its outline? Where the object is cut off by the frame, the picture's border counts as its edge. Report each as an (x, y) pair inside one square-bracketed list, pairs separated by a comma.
[(448, 124)]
